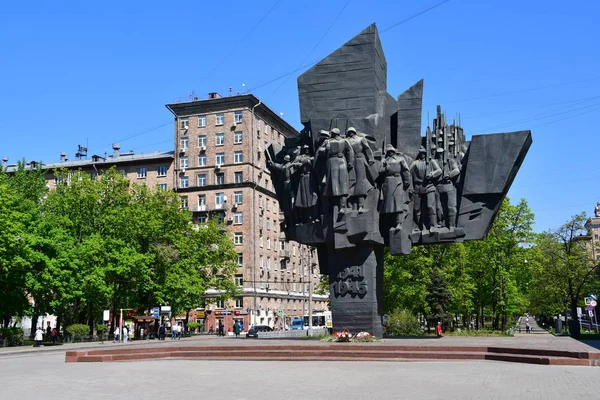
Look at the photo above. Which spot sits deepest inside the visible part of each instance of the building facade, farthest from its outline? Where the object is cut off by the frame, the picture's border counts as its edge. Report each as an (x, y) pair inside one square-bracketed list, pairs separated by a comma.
[(593, 227), (220, 171)]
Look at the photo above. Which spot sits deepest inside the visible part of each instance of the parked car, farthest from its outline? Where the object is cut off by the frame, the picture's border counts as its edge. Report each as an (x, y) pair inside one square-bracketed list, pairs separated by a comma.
[(255, 329), (297, 323)]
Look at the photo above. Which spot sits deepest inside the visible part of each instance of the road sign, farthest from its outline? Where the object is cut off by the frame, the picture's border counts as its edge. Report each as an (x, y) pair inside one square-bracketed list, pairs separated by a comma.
[(591, 313), (593, 303), (155, 311), (280, 312), (579, 312), (593, 296), (588, 300), (589, 308)]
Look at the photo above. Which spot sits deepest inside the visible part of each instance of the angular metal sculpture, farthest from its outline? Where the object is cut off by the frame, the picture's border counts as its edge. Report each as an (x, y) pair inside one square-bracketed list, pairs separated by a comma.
[(361, 177)]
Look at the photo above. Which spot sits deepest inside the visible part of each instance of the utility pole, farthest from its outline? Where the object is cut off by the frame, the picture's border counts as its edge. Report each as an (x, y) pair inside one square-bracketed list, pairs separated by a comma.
[(310, 309)]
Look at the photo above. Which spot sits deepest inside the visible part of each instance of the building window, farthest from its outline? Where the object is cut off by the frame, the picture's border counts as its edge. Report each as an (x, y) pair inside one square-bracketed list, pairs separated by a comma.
[(202, 160), (239, 303), (268, 204), (238, 177), (184, 182), (184, 123), (161, 170), (201, 121), (162, 186), (258, 124), (184, 202), (183, 162), (239, 280), (268, 223), (238, 238), (237, 197), (268, 243), (240, 260), (201, 202), (268, 263), (238, 137), (260, 241), (220, 119), (202, 219), (221, 217), (220, 178), (202, 141), (261, 262), (220, 139), (220, 159), (220, 303), (238, 157), (219, 199), (238, 218), (202, 180), (293, 249), (184, 143), (260, 201), (141, 173), (237, 117)]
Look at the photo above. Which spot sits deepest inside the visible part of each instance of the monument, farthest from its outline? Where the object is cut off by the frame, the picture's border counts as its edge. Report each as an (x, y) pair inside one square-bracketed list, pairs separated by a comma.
[(361, 177)]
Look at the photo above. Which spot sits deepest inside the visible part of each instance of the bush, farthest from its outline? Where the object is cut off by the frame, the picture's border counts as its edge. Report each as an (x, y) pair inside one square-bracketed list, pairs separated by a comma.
[(402, 323), (13, 336), (78, 330), (192, 326)]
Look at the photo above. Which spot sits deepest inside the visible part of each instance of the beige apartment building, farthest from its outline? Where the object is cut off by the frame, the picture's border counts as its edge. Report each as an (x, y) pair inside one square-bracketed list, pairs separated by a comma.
[(593, 227), (220, 170)]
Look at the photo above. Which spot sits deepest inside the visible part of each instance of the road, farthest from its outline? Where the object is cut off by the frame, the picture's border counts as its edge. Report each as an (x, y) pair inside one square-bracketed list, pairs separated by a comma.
[(46, 375)]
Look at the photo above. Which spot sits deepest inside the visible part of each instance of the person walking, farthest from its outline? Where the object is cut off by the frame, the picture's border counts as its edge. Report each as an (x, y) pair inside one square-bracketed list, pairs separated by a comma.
[(39, 336), (179, 331), (173, 332), (438, 330), (221, 328), (236, 329), (125, 334), (54, 334), (117, 335), (161, 332)]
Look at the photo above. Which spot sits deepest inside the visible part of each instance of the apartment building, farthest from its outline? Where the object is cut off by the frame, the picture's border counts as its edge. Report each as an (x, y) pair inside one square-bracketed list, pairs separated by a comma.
[(593, 227), (220, 170)]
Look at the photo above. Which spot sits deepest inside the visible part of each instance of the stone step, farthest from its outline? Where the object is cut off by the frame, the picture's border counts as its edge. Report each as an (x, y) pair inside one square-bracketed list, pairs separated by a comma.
[(338, 352)]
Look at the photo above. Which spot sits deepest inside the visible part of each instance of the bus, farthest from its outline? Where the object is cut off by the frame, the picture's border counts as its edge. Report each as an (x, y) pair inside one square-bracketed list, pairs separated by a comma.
[(320, 320)]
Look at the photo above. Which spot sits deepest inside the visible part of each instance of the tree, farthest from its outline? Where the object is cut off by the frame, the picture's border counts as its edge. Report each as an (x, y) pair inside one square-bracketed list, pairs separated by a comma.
[(568, 267), (438, 299)]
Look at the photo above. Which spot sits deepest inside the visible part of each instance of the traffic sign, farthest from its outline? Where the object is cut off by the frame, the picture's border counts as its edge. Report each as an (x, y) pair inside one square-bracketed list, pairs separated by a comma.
[(589, 308), (593, 296), (280, 312), (155, 311), (593, 303), (588, 300), (591, 313)]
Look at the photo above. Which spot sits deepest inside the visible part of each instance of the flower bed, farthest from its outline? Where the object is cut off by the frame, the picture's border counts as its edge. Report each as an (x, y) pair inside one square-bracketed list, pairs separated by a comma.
[(345, 336)]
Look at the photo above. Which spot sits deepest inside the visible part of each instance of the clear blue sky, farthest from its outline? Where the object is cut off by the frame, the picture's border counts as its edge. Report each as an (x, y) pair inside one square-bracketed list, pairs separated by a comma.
[(77, 71)]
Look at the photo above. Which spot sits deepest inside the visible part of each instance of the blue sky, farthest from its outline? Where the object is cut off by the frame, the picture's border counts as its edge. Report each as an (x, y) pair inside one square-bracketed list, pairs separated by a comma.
[(101, 72)]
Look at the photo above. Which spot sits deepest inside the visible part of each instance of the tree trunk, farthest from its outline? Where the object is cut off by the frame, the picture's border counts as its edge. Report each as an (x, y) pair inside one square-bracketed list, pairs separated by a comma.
[(34, 321), (573, 324)]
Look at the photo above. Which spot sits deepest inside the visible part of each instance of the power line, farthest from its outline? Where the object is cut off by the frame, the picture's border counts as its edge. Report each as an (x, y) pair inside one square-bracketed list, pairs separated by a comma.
[(238, 44), (315, 46), (136, 135), (415, 15), (313, 63)]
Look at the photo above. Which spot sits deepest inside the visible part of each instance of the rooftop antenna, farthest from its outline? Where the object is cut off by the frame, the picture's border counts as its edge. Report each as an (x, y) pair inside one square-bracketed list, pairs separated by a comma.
[(81, 152), (230, 90), (243, 87)]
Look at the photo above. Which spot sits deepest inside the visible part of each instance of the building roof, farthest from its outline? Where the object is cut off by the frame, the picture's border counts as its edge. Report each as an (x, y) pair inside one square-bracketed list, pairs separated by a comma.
[(100, 161), (218, 103)]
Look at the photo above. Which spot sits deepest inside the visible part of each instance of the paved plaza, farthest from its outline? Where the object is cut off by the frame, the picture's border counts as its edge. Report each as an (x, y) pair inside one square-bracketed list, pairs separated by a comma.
[(42, 373)]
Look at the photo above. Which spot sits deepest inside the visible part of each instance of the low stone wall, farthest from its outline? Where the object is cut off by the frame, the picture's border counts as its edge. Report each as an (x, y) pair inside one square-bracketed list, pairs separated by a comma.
[(291, 333)]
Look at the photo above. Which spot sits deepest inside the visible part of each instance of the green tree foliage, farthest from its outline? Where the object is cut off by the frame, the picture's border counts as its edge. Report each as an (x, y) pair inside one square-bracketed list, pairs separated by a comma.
[(472, 279), (402, 323), (565, 271), (100, 242)]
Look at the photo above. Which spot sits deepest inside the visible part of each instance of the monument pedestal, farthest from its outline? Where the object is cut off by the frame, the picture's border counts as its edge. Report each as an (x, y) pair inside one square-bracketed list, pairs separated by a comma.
[(356, 288)]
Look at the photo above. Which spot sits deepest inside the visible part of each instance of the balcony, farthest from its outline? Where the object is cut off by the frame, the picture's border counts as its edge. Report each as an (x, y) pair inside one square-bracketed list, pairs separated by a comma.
[(201, 207), (284, 254)]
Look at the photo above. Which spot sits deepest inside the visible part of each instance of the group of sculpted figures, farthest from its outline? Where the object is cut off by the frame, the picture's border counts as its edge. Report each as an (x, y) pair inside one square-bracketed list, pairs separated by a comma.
[(339, 174)]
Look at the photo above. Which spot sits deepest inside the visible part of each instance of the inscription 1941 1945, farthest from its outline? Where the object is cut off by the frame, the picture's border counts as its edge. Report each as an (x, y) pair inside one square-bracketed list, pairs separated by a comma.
[(360, 176)]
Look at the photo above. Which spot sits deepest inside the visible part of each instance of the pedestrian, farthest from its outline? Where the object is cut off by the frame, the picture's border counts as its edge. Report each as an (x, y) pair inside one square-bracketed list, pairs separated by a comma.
[(117, 335), (236, 329), (242, 326), (221, 328), (527, 328), (161, 332), (48, 330), (54, 334), (179, 331), (173, 332), (39, 336), (438, 330), (125, 334)]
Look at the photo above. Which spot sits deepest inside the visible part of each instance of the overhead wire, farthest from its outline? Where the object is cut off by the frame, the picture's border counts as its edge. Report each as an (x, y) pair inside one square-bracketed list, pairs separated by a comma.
[(314, 47)]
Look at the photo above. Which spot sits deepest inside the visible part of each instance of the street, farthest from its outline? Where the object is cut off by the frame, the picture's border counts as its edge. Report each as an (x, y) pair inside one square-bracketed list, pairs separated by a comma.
[(46, 375)]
